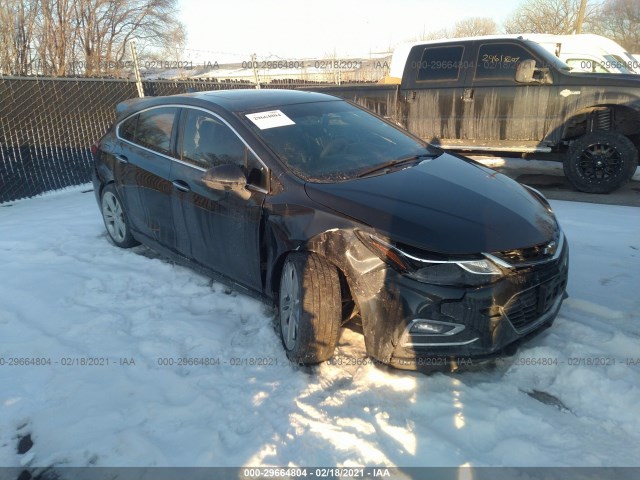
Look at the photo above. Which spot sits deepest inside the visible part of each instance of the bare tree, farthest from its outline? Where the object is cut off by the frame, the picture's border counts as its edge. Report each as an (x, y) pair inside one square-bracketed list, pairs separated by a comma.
[(56, 35), (558, 17), (172, 51), (106, 27), (82, 36), (435, 35), (582, 11), (475, 26), (469, 27), (17, 23), (620, 21)]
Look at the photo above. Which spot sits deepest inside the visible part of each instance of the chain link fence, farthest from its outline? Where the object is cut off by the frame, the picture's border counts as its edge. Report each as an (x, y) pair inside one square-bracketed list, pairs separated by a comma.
[(46, 130), (47, 126)]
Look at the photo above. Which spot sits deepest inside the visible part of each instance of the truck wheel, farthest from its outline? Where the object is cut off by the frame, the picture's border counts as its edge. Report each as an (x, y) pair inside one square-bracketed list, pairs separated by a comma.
[(310, 308), (115, 219), (600, 162)]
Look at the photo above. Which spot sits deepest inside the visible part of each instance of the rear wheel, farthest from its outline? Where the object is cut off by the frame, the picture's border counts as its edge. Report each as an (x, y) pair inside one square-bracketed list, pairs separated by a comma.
[(115, 219), (600, 162), (310, 308)]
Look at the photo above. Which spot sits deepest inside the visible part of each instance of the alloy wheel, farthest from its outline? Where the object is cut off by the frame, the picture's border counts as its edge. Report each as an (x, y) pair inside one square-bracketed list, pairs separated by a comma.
[(599, 162), (114, 217), (289, 306)]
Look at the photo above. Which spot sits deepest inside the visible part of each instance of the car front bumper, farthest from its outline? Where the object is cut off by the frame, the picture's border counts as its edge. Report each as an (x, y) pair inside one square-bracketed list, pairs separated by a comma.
[(482, 322)]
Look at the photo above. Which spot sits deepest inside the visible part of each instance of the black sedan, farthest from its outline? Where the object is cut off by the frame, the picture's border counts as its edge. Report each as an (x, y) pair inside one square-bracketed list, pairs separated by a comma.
[(332, 213)]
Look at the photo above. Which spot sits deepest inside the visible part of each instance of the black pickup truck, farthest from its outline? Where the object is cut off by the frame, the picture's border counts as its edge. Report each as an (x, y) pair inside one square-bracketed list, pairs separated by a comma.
[(508, 94)]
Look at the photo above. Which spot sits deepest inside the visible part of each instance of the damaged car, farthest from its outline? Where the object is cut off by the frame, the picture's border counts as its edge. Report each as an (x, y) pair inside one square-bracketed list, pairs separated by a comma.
[(332, 213)]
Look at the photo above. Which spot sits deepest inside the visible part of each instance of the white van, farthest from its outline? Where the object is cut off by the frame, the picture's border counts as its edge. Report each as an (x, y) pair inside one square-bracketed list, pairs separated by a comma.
[(588, 52)]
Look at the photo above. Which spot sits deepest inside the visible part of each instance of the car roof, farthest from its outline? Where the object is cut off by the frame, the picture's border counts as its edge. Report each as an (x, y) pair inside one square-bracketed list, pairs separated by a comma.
[(238, 100), (252, 99)]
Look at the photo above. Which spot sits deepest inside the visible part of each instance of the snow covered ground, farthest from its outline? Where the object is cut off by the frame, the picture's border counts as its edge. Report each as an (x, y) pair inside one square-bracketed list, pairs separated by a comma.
[(67, 294)]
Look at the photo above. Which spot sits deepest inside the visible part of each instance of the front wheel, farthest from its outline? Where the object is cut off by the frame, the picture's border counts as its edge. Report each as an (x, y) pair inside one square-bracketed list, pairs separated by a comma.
[(310, 308), (115, 219), (600, 162)]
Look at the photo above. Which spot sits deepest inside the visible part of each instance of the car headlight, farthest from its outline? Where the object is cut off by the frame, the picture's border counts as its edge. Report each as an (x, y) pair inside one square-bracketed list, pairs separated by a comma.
[(434, 268)]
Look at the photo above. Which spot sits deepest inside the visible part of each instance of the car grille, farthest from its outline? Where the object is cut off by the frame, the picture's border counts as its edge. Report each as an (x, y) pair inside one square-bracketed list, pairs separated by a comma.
[(526, 307), (535, 254)]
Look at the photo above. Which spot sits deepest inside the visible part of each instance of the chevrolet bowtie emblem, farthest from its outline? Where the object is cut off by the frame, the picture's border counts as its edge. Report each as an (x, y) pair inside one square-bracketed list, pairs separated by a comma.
[(550, 248)]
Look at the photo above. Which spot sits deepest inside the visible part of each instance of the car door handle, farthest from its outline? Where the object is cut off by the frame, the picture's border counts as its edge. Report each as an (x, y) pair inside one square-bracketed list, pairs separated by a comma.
[(181, 185), (122, 159)]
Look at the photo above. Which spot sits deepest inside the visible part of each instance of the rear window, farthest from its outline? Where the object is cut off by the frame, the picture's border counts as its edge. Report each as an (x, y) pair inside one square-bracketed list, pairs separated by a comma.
[(151, 129), (128, 128), (440, 63)]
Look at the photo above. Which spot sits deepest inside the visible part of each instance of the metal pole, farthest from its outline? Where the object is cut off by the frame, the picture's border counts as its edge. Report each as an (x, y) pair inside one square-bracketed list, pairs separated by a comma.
[(254, 64), (136, 69)]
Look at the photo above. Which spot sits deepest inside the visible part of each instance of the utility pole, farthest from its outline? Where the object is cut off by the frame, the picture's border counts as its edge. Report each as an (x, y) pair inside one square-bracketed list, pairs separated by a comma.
[(580, 20)]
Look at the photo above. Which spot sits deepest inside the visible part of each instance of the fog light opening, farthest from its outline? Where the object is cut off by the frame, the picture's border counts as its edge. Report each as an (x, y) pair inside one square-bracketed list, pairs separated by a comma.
[(434, 327)]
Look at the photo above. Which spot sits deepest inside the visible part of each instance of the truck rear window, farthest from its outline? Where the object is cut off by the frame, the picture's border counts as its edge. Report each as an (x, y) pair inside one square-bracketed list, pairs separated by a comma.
[(440, 63)]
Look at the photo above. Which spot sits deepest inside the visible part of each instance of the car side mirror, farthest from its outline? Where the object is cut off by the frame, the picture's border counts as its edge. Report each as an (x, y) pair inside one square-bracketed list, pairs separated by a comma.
[(227, 177), (526, 72)]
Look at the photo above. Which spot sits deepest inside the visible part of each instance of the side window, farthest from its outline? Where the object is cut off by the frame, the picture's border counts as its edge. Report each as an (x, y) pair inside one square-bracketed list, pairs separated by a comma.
[(499, 61), (585, 65), (154, 129), (440, 63), (127, 128), (256, 171), (207, 142)]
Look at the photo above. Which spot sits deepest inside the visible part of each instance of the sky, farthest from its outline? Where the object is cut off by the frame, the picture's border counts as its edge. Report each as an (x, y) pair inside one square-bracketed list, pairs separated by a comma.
[(296, 29)]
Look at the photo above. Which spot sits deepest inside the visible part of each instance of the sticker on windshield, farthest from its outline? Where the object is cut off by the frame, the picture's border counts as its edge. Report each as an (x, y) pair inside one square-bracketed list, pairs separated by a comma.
[(272, 119)]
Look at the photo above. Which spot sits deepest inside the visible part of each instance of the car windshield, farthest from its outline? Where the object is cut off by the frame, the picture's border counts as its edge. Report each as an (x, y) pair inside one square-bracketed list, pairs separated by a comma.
[(617, 63), (333, 141)]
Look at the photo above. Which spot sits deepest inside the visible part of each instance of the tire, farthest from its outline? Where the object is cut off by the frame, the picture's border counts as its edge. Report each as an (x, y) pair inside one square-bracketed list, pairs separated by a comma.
[(600, 162), (115, 218), (310, 308)]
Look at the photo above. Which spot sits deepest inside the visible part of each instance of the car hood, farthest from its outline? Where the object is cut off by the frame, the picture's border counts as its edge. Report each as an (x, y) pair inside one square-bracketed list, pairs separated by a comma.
[(447, 205), (603, 80)]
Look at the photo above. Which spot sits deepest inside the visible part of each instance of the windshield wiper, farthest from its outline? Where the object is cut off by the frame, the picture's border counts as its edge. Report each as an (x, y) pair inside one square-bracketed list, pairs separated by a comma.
[(398, 161)]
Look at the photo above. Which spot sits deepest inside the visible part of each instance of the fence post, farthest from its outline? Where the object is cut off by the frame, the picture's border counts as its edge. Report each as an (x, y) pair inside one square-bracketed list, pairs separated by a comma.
[(136, 69), (254, 64)]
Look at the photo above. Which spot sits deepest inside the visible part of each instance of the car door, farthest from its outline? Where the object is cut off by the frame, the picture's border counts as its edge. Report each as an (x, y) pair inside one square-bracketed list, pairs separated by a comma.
[(217, 229), (500, 112), (144, 165), (433, 91)]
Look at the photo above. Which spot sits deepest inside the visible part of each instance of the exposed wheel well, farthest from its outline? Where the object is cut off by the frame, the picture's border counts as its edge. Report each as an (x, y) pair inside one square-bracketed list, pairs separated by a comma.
[(614, 118), (103, 186), (349, 306)]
